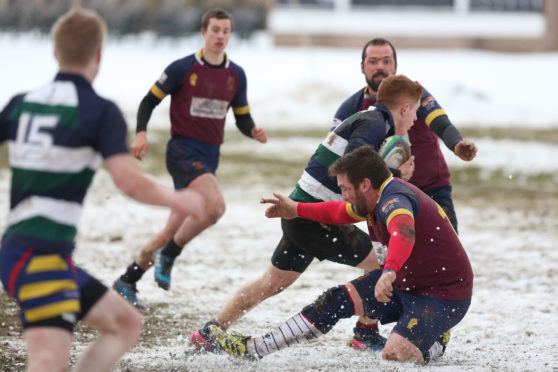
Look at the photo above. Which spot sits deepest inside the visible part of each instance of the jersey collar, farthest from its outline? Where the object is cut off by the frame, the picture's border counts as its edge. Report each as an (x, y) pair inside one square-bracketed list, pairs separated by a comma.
[(199, 58), (386, 182)]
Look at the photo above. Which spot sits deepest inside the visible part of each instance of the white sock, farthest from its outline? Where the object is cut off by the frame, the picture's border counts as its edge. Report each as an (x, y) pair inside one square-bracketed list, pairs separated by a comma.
[(295, 330), (435, 350)]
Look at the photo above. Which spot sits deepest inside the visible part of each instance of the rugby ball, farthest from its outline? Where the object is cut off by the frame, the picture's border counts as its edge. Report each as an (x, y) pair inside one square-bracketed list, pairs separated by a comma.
[(395, 150)]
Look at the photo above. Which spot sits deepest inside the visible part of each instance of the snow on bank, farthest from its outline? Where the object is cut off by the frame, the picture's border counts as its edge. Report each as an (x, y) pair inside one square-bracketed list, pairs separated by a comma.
[(289, 87)]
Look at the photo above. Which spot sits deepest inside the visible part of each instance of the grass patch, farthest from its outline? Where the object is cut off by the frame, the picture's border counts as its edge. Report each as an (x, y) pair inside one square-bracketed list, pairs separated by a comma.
[(518, 134)]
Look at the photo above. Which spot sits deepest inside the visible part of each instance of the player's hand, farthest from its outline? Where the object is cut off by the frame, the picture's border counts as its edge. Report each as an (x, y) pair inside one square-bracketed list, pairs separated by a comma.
[(139, 146), (283, 207), (259, 134), (384, 286), (408, 168), (466, 150)]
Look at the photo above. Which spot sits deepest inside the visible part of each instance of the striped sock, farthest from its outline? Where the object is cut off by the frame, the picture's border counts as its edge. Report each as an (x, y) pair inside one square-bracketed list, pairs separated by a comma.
[(295, 330)]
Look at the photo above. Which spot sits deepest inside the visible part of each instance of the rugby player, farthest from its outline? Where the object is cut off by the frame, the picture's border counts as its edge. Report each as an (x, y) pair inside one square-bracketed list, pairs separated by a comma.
[(202, 87), (303, 240), (425, 286), (58, 135)]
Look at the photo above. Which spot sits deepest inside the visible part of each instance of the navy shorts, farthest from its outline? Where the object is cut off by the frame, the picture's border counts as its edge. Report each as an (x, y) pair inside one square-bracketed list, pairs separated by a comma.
[(420, 319), (188, 159), (442, 196), (303, 240), (49, 289)]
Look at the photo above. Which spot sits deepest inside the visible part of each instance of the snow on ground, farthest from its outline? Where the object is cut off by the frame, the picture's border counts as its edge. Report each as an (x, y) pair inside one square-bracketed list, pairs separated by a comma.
[(511, 324)]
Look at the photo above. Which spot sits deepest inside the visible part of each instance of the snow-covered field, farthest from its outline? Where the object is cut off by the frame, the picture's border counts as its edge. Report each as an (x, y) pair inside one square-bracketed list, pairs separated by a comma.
[(511, 242)]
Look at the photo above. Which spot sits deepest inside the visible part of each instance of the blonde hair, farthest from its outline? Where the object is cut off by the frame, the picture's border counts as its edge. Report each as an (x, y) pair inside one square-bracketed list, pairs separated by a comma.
[(396, 90), (78, 35)]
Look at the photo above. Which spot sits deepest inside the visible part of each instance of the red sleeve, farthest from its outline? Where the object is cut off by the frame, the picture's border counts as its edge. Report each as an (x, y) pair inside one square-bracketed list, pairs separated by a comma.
[(331, 212), (401, 242)]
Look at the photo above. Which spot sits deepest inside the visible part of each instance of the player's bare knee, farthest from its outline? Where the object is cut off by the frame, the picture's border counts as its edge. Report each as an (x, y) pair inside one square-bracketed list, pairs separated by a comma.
[(390, 354), (128, 325), (49, 360), (215, 212)]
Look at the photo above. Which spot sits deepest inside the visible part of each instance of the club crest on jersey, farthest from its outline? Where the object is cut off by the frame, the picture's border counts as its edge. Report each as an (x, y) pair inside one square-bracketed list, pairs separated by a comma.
[(389, 204), (163, 78), (412, 322), (230, 83), (193, 80)]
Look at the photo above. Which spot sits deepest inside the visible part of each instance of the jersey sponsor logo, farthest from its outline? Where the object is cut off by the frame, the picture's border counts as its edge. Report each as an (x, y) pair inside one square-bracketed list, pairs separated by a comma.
[(390, 204), (230, 84), (162, 78), (208, 108), (193, 80)]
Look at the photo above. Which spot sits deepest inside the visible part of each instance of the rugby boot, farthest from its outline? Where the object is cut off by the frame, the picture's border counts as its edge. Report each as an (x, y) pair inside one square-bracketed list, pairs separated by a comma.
[(233, 343), (367, 339), (201, 340), (163, 267), (128, 291), (439, 348)]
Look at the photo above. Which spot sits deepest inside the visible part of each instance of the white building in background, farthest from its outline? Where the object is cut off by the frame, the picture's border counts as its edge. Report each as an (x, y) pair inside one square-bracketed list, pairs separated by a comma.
[(510, 25)]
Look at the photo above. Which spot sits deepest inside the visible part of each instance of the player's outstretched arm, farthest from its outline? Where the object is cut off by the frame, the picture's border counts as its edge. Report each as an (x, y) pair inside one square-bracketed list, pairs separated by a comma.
[(283, 207), (466, 150), (131, 181)]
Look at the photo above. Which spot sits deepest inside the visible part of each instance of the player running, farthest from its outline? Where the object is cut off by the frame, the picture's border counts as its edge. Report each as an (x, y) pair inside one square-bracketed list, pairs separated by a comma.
[(58, 136), (202, 86)]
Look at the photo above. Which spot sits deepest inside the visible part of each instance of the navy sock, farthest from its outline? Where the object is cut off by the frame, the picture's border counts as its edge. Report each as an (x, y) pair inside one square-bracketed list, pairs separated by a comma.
[(172, 249), (133, 274)]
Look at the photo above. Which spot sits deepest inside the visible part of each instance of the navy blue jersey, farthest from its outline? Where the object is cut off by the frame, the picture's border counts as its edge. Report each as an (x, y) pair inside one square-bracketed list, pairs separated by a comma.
[(369, 127), (431, 169), (57, 136)]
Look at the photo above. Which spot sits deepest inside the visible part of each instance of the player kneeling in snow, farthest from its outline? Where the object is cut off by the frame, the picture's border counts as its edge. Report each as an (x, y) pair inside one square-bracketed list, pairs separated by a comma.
[(425, 286)]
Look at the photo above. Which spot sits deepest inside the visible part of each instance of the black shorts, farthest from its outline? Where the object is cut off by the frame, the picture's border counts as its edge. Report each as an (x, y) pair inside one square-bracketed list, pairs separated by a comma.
[(303, 240), (442, 196)]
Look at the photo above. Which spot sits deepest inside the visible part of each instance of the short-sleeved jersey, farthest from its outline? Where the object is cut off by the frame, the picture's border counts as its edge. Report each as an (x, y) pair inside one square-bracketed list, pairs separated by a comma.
[(437, 266), (368, 127), (431, 169), (201, 95), (57, 137)]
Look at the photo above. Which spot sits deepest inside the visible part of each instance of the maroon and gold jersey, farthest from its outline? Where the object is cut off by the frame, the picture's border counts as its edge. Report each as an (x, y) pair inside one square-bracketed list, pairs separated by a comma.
[(437, 266), (201, 95)]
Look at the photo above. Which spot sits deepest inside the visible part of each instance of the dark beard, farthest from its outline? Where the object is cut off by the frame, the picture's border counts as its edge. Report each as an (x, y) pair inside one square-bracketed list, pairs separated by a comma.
[(374, 85), (360, 206)]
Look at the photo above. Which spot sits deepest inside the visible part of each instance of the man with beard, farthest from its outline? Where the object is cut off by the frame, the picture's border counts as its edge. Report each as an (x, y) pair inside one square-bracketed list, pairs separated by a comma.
[(425, 286), (431, 173), (304, 240)]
